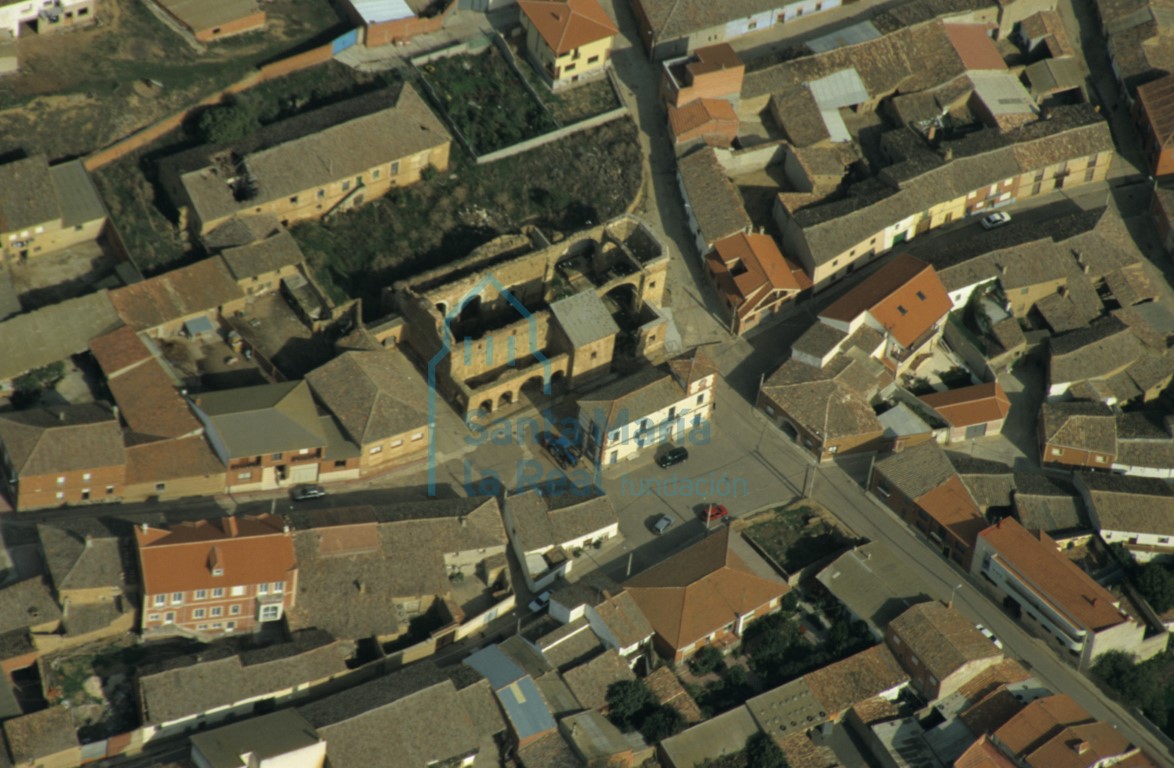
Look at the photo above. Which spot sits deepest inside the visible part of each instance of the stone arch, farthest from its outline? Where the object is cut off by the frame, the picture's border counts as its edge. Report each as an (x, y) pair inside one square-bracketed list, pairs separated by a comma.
[(626, 296), (486, 406), (789, 429), (506, 399)]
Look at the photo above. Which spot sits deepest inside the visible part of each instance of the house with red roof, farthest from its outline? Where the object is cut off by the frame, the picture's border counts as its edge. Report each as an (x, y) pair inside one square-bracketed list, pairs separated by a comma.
[(712, 122), (753, 279), (970, 412), (212, 577), (568, 41)]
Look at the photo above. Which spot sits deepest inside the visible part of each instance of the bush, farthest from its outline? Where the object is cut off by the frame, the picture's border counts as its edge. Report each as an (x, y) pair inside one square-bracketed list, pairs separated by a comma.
[(762, 752), (39, 379), (226, 123), (627, 703), (661, 723), (1156, 582), (706, 660)]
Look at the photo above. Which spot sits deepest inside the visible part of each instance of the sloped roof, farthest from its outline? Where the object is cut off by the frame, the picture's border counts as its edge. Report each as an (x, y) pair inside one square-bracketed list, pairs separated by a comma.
[(1157, 98), (1039, 721), (264, 419), (265, 737), (1080, 424), (27, 603), (942, 638), (713, 199), (33, 339), (905, 296), (1133, 504), (1045, 503), (250, 550), (623, 617), (832, 401), (589, 681), (975, 47), (700, 113), (976, 404), (62, 438), (917, 470), (39, 735), (200, 15), (539, 524), (751, 266), (1100, 350), (82, 554), (263, 256), (568, 24), (699, 590), (201, 287), (856, 678), (374, 395), (27, 195), (584, 318)]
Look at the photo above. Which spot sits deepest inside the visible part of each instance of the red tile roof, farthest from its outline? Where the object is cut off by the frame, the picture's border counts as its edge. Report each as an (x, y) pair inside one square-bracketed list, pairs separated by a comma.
[(983, 754), (203, 286), (1054, 578), (974, 46), (1157, 99), (568, 24), (700, 590), (857, 678), (904, 296), (700, 113), (119, 350), (951, 505), (967, 406), (1039, 721), (251, 550)]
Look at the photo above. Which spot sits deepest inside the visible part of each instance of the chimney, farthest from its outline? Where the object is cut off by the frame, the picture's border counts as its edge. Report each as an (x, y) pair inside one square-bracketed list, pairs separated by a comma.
[(143, 527), (999, 523), (462, 519), (285, 529), (230, 526), (1081, 747), (89, 541), (61, 415), (361, 586)]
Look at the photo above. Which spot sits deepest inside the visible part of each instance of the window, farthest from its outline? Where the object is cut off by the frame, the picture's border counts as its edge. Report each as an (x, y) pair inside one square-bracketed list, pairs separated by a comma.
[(262, 589), (201, 594), (395, 168), (1023, 291), (902, 310), (216, 611), (219, 592), (303, 451), (201, 627), (110, 490), (61, 480), (921, 295), (152, 617), (230, 626), (86, 476), (396, 443), (59, 495), (276, 457), (271, 612), (160, 487), (160, 599), (1057, 451), (593, 59), (321, 193), (169, 617), (216, 625), (278, 587), (346, 185), (294, 200), (234, 609), (569, 68), (244, 476), (198, 613), (417, 436), (375, 174), (701, 398), (238, 591), (339, 463), (177, 597), (914, 660), (1100, 459)]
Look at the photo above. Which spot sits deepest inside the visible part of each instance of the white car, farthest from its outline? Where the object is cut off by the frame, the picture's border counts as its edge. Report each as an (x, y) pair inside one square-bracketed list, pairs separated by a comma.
[(995, 220), (989, 636), (539, 603)]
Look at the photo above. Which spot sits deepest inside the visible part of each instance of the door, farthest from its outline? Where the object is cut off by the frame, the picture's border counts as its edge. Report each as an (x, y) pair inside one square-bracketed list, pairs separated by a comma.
[(304, 473), (975, 430)]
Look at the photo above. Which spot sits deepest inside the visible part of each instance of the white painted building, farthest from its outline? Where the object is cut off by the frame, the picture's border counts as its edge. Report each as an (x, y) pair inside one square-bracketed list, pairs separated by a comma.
[(666, 404), (546, 532), (43, 15), (279, 740), (1136, 512)]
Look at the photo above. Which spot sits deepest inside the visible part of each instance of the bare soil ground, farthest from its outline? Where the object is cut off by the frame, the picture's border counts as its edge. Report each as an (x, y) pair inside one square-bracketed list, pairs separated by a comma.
[(82, 89), (46, 280)]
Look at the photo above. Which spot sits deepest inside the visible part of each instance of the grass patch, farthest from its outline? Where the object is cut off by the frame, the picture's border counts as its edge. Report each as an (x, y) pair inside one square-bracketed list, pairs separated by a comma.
[(566, 185), (797, 536), (485, 100)]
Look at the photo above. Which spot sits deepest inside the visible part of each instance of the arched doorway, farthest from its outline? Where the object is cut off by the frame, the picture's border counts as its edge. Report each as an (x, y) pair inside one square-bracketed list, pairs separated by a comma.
[(625, 297), (789, 430), (507, 398), (486, 407)]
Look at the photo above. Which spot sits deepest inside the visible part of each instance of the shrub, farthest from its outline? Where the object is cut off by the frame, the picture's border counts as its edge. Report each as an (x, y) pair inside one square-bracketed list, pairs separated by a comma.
[(226, 123), (661, 723), (706, 660), (627, 701)]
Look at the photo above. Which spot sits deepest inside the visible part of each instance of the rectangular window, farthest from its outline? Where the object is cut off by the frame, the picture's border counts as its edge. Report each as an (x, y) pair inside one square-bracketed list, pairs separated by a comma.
[(339, 463), (921, 295), (902, 310), (271, 612), (59, 495), (198, 613), (219, 592), (234, 609), (262, 589), (417, 436), (201, 594), (160, 487), (160, 599), (152, 617), (216, 611), (395, 168), (276, 457), (217, 571), (346, 185), (701, 398), (244, 476), (86, 476), (1100, 459), (375, 449), (61, 480), (238, 591), (177, 597), (592, 59), (396, 443), (278, 587), (294, 200), (321, 193), (230, 626), (1057, 452), (169, 617), (375, 174)]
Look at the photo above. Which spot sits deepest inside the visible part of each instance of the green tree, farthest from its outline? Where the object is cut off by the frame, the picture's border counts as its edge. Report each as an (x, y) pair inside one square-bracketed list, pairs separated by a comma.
[(660, 723), (627, 702), (706, 660), (226, 123), (762, 752), (1156, 583)]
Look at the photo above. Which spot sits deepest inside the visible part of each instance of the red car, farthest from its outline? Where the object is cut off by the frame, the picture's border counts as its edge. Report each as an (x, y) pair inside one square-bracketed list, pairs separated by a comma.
[(714, 513)]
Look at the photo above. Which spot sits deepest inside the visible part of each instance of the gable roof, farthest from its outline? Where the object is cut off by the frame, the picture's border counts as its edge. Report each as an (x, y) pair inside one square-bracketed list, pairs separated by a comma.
[(1079, 424), (82, 554), (1036, 562), (918, 470), (263, 256), (623, 617), (200, 287), (589, 681), (39, 735), (264, 738), (874, 583), (1132, 504), (33, 339), (713, 199), (700, 589), (975, 47), (265, 419), (1045, 503), (62, 438), (27, 603), (249, 549), (374, 395), (568, 24), (1039, 721), (699, 113), (833, 401), (515, 691), (861, 676), (584, 318), (540, 524), (977, 404), (1099, 350), (27, 195), (905, 296), (1157, 98), (751, 266), (942, 638)]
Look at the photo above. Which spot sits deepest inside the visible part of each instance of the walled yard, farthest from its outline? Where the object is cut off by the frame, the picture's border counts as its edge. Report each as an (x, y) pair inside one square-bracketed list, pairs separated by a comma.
[(486, 101), (584, 179), (796, 535), (82, 89)]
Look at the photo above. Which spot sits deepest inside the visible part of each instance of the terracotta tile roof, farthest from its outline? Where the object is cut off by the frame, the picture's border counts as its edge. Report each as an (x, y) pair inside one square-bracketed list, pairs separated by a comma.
[(974, 46), (667, 689), (589, 681), (1157, 98), (250, 550), (991, 711), (568, 24), (1038, 564), (160, 461), (801, 752), (942, 638), (952, 506), (201, 287), (119, 350), (751, 266), (1039, 721), (151, 405), (700, 113), (699, 590), (876, 710), (1005, 672), (855, 679), (905, 296), (964, 407), (65, 438), (983, 754), (1080, 746)]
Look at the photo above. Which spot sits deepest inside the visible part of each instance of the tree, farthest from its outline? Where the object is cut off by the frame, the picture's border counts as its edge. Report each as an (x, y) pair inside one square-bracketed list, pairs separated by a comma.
[(227, 122), (1156, 583), (762, 752), (627, 701), (661, 723), (706, 660)]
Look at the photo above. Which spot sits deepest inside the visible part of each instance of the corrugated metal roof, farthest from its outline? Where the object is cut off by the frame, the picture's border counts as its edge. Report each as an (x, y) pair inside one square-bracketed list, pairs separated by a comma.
[(853, 35), (375, 11), (839, 89)]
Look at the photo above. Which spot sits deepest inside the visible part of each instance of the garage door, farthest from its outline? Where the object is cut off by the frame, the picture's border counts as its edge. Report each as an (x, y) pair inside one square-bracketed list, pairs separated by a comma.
[(978, 430), (304, 473)]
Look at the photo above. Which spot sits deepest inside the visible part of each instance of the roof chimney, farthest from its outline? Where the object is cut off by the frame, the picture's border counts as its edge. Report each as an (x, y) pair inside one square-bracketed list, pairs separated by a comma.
[(1081, 747), (462, 519), (143, 527), (230, 526), (61, 415), (89, 541)]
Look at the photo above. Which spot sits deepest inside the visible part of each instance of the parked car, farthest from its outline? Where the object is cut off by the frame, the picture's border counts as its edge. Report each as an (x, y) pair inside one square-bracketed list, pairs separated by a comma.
[(674, 456), (303, 492), (539, 603), (714, 513), (560, 449), (989, 636), (995, 220), (661, 524)]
